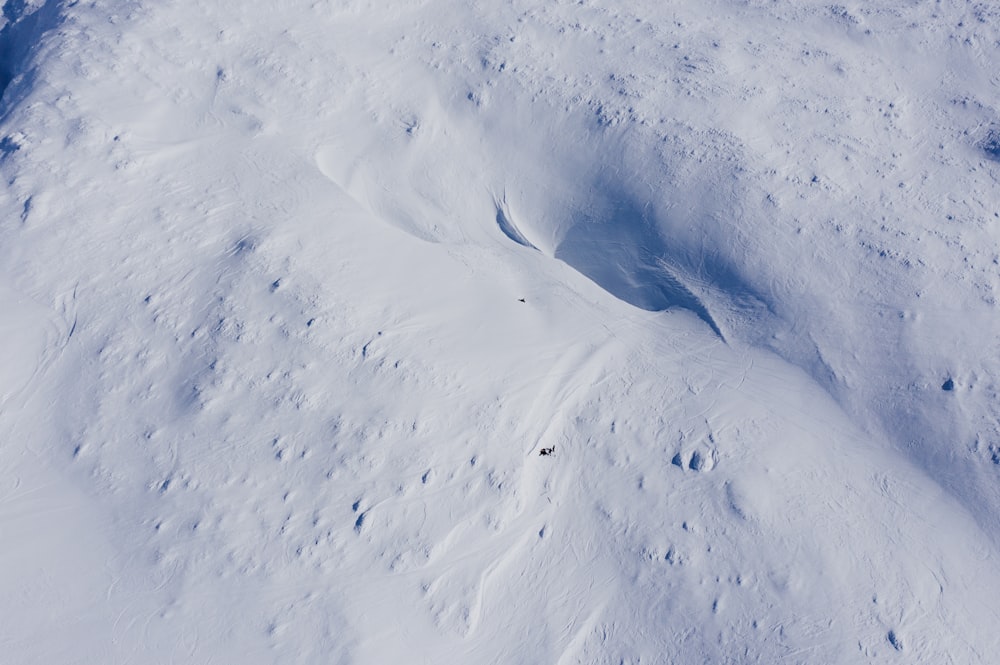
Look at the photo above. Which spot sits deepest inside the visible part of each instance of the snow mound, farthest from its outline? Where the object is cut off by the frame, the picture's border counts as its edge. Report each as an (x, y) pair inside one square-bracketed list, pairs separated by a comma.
[(295, 299)]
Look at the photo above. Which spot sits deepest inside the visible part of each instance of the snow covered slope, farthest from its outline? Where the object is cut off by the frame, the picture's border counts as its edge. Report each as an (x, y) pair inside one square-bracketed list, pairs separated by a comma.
[(292, 296)]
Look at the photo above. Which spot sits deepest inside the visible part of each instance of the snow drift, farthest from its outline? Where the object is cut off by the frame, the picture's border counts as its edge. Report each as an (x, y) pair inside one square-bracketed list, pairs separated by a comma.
[(293, 296)]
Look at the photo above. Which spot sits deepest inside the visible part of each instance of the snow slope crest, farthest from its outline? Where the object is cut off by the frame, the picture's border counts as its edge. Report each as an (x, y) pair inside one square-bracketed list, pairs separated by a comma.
[(295, 297)]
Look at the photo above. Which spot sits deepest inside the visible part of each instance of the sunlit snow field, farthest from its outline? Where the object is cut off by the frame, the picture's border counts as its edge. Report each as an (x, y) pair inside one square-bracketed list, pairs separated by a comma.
[(292, 295)]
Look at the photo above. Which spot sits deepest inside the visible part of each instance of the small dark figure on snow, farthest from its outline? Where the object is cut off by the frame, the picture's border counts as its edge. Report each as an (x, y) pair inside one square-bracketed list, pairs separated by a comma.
[(547, 451)]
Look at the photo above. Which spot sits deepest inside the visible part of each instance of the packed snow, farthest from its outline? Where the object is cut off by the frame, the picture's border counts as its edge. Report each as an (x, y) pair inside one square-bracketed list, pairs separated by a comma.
[(294, 295)]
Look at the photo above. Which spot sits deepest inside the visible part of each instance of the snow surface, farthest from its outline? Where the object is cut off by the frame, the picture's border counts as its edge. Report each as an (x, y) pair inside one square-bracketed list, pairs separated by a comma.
[(293, 294)]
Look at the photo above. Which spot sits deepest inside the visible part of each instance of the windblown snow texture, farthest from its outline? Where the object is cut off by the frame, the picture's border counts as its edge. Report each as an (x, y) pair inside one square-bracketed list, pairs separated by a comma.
[(294, 295)]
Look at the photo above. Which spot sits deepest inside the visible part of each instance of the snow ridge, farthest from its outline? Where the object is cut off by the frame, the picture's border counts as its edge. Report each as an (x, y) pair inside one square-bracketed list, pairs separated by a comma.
[(280, 355)]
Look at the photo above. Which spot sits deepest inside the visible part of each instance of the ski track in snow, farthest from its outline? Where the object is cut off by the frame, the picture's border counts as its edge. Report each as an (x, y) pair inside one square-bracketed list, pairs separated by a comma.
[(292, 300)]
